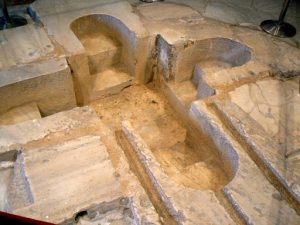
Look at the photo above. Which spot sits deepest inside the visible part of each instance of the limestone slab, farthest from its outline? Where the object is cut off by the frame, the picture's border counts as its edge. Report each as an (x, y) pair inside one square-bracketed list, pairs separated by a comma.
[(124, 25), (96, 162), (265, 114), (24, 45), (48, 83), (161, 11), (250, 193), (70, 175), (38, 129), (20, 114), (109, 82), (61, 16)]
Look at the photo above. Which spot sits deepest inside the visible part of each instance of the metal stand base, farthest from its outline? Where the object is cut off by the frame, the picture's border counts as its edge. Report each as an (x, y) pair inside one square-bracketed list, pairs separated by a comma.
[(14, 21), (150, 1), (278, 29)]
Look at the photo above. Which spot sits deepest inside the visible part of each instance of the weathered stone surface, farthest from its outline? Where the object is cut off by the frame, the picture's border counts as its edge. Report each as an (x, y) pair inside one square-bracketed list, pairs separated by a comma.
[(161, 11), (15, 191), (20, 114), (48, 83), (185, 92), (109, 82), (186, 174), (212, 54), (32, 44), (38, 129), (67, 175), (184, 204), (250, 193), (234, 12), (115, 20), (265, 114), (80, 158)]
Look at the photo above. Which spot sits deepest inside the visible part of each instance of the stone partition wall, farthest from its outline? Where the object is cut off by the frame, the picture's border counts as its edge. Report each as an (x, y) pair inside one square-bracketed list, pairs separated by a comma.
[(180, 59)]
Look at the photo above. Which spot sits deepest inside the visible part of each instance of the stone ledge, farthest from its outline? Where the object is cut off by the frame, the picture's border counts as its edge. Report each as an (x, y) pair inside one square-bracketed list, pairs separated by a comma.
[(48, 83), (265, 116), (250, 193)]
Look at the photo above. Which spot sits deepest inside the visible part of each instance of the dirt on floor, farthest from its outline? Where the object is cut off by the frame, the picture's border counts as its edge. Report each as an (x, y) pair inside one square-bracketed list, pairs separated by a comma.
[(190, 163)]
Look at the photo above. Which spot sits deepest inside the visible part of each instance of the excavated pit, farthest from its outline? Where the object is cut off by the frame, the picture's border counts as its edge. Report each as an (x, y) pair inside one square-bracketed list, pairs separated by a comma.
[(107, 51), (202, 61), (212, 54), (191, 161), (99, 42)]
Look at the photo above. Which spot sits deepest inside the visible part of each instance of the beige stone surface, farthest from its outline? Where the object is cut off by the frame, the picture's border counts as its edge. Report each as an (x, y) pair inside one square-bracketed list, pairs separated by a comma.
[(268, 123), (162, 11), (79, 156), (186, 92), (63, 15), (247, 13), (109, 82), (48, 83), (193, 50), (251, 194), (32, 43), (263, 102), (117, 19), (190, 41), (39, 129), (20, 114), (66, 176)]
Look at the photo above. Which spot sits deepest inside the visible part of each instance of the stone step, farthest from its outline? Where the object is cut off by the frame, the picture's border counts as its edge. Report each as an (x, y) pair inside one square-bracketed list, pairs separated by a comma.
[(102, 52), (109, 82), (203, 89), (211, 79), (20, 114), (22, 133), (185, 92)]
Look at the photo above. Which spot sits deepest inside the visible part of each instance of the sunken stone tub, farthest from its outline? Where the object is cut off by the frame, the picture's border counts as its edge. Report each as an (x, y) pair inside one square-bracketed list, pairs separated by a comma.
[(207, 63), (213, 54), (115, 54)]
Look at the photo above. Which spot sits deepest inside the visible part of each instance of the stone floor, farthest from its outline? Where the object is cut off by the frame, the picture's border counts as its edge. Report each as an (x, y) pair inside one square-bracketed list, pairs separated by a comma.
[(174, 112), (246, 14)]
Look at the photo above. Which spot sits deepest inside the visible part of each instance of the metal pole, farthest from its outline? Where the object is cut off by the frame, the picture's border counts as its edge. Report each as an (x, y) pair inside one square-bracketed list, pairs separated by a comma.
[(5, 12), (283, 10)]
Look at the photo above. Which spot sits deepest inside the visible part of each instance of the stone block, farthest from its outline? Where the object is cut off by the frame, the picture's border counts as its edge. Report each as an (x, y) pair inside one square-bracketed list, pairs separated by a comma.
[(48, 83)]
